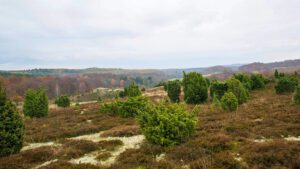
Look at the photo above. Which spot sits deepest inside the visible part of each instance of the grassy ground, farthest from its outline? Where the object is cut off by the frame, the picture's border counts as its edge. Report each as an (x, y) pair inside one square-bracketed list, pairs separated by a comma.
[(222, 139)]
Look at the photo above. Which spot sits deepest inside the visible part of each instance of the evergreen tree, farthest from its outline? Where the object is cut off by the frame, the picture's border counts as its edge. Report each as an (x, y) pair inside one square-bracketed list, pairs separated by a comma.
[(237, 88), (132, 90), (174, 89), (258, 81), (35, 103), (245, 80), (229, 102), (11, 126), (194, 87), (276, 74), (63, 101)]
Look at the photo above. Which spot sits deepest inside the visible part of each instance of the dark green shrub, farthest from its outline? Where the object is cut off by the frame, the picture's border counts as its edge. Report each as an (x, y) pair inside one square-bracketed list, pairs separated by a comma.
[(62, 101), (35, 103), (122, 94), (132, 90), (258, 81), (229, 102), (237, 88), (195, 88), (129, 108), (207, 82), (174, 89), (276, 74), (297, 95), (245, 80), (217, 89), (11, 126), (286, 85), (167, 124)]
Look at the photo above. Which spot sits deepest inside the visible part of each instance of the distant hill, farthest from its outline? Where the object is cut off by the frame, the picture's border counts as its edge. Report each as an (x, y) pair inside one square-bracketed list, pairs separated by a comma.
[(266, 67)]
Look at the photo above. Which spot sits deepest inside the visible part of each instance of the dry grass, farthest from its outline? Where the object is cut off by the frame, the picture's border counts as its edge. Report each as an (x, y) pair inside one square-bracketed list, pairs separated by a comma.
[(122, 131), (66, 165), (221, 135), (76, 148), (71, 122), (110, 145), (28, 159)]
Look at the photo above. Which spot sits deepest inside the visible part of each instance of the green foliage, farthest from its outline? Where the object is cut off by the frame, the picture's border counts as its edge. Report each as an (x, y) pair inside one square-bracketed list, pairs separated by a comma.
[(216, 103), (237, 88), (132, 90), (11, 127), (129, 108), (168, 124), (297, 94), (245, 80), (207, 82), (229, 102), (122, 94), (162, 83), (2, 95), (217, 89), (35, 103), (62, 101), (276, 74), (174, 89), (286, 84), (258, 81), (194, 87)]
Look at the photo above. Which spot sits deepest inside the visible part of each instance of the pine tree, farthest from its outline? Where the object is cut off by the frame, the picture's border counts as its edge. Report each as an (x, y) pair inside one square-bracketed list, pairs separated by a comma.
[(36, 103), (194, 87), (11, 126), (276, 74)]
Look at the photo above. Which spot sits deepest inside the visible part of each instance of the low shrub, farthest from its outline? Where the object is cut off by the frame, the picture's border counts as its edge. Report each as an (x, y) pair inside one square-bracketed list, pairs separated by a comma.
[(286, 84), (167, 124), (62, 101), (296, 97), (237, 88), (258, 81), (129, 108), (132, 90), (217, 89), (229, 102), (35, 103), (245, 80), (173, 90)]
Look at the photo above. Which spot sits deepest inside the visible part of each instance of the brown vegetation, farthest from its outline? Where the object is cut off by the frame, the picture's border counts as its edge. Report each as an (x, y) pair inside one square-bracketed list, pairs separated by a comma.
[(222, 139), (122, 131)]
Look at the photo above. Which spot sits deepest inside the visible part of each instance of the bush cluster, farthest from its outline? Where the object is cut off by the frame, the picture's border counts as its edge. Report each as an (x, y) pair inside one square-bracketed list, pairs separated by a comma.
[(35, 103), (194, 87), (167, 124), (286, 84), (173, 90), (62, 101), (297, 94), (11, 126), (129, 108), (131, 91), (237, 88), (245, 80), (229, 102), (258, 81), (217, 89)]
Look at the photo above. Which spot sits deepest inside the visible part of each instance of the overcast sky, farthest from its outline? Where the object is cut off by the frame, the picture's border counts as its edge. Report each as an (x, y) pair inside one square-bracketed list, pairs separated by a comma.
[(146, 33)]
